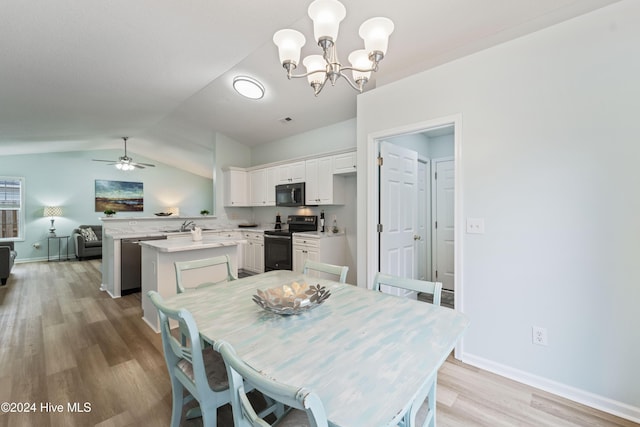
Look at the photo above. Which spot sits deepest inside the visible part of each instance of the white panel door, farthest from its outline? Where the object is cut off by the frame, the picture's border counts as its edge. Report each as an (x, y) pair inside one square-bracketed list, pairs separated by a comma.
[(398, 211), (443, 255), (423, 256)]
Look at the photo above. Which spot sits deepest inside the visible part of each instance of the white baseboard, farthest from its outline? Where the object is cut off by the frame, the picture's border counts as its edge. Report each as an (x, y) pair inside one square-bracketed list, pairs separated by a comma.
[(592, 400)]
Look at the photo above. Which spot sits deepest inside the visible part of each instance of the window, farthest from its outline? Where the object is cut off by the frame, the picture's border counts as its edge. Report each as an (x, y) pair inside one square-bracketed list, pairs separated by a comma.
[(11, 208)]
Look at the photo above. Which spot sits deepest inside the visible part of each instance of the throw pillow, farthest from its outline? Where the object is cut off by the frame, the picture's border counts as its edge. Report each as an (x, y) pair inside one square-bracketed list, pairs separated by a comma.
[(88, 234)]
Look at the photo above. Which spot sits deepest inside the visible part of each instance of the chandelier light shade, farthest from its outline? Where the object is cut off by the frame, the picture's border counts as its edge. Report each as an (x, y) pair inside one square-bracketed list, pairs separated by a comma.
[(52, 211), (289, 44), (248, 87), (326, 16)]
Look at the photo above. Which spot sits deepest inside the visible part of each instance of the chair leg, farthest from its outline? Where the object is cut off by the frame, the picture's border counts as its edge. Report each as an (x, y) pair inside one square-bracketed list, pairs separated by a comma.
[(177, 392), (209, 415)]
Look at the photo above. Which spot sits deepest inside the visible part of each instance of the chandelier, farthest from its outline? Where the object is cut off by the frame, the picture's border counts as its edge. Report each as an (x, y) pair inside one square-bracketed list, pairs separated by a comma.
[(326, 16)]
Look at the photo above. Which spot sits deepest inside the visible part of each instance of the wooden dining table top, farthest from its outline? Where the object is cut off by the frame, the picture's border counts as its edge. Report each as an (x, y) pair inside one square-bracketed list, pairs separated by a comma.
[(365, 353)]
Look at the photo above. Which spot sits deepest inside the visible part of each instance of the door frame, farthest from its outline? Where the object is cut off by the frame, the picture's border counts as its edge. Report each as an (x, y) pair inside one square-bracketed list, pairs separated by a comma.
[(372, 247)]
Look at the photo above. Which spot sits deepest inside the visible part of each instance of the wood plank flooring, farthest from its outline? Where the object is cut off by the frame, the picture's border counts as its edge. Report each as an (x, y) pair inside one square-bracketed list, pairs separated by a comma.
[(63, 341)]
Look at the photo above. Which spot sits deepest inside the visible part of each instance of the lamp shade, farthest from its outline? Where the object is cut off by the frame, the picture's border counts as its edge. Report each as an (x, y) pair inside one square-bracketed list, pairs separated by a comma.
[(289, 44), (375, 33), (52, 211), (316, 65), (326, 16), (360, 59)]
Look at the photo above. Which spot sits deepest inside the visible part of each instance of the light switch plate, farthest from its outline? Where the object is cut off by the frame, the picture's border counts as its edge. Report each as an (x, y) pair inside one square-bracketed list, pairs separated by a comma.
[(475, 225)]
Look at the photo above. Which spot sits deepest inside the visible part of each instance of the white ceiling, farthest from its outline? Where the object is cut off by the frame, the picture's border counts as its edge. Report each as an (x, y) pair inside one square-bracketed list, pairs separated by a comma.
[(80, 74)]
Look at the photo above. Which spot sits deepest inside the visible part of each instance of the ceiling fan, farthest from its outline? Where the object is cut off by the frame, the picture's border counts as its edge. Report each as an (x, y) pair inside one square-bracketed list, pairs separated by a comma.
[(125, 162)]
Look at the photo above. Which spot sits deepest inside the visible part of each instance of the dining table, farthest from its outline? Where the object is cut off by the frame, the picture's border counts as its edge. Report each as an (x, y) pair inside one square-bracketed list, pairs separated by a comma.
[(368, 355)]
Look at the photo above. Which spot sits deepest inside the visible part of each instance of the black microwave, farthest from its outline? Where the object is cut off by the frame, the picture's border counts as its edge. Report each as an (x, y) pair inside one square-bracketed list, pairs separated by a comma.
[(290, 194)]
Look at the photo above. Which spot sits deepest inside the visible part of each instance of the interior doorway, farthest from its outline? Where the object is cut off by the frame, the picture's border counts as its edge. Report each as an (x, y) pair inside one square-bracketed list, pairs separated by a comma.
[(416, 206)]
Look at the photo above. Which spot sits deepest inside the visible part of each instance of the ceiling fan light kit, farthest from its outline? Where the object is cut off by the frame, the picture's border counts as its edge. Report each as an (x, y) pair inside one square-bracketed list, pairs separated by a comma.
[(125, 163), (326, 16)]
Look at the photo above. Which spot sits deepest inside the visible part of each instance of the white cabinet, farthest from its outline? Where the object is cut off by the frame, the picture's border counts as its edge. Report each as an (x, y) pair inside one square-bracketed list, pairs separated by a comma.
[(322, 186), (344, 163), (290, 172), (304, 249), (253, 251), (318, 247), (262, 187), (235, 187)]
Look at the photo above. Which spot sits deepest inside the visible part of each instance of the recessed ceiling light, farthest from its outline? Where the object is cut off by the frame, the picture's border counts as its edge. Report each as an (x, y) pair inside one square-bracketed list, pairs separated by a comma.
[(248, 87)]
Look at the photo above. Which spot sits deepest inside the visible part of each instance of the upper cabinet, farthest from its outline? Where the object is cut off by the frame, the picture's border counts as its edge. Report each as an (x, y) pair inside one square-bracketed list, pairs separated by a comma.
[(262, 187), (235, 187), (290, 172), (324, 177), (344, 163), (322, 186)]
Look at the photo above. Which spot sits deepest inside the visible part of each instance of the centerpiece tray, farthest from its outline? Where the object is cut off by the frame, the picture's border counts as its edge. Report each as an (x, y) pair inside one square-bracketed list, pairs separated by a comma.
[(295, 298)]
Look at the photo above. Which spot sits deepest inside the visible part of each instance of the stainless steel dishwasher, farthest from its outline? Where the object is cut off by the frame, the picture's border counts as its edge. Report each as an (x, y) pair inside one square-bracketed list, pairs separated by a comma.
[(130, 271)]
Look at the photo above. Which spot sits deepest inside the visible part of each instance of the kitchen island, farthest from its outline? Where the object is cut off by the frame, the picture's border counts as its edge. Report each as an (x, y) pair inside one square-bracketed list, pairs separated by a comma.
[(158, 270)]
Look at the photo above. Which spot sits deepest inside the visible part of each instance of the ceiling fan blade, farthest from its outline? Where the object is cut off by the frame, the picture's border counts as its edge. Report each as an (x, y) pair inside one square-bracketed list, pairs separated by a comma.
[(137, 165), (147, 164), (99, 160)]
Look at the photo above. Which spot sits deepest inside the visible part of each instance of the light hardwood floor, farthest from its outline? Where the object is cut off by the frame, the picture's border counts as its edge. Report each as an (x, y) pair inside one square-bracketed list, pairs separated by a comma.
[(63, 341)]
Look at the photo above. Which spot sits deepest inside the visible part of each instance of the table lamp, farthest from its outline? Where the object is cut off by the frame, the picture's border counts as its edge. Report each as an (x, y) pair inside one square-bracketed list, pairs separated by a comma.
[(52, 211)]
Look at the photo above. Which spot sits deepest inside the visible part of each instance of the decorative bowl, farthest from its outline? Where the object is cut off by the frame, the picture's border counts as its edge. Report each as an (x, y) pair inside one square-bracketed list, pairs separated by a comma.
[(163, 214), (295, 298)]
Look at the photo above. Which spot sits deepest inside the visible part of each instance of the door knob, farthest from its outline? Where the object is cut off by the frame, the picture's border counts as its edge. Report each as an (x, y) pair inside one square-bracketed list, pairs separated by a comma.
[(416, 237)]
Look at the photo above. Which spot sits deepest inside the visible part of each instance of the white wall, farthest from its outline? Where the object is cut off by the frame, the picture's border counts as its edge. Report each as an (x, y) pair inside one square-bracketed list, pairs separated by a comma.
[(67, 179), (326, 139), (549, 159)]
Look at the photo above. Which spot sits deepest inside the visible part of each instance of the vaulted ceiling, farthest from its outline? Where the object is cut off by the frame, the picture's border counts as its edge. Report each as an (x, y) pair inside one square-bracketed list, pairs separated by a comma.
[(78, 75)]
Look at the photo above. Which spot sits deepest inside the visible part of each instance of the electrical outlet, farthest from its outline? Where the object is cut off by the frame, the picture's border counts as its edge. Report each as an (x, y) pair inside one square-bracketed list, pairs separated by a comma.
[(539, 335), (133, 222), (475, 225)]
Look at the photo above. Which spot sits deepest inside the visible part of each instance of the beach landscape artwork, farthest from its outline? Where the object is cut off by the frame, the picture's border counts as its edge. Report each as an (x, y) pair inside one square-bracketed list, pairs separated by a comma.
[(119, 196)]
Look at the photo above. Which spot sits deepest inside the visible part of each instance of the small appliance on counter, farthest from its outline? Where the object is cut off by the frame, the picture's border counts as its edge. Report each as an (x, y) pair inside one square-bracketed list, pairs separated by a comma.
[(278, 222)]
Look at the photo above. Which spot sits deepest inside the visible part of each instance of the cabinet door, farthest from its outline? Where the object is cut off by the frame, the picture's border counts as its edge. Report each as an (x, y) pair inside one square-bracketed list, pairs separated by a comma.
[(344, 163), (258, 257), (235, 188), (257, 187), (320, 183), (325, 181), (297, 171), (290, 172), (299, 257), (311, 185), (270, 186)]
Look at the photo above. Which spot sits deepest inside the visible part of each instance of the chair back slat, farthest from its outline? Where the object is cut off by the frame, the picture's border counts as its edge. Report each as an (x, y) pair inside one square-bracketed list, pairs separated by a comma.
[(338, 270), (240, 375), (216, 270), (431, 288), (186, 364)]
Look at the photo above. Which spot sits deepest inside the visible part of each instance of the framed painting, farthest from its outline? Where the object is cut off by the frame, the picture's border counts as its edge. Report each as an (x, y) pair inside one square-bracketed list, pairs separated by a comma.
[(119, 196)]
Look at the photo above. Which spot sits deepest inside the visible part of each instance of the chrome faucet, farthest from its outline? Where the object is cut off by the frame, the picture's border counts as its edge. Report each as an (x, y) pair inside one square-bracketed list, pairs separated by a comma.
[(187, 226)]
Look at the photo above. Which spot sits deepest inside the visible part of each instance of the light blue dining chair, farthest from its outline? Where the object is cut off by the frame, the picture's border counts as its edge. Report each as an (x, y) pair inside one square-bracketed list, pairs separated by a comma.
[(423, 411), (304, 407), (207, 263), (337, 270), (432, 288), (201, 372)]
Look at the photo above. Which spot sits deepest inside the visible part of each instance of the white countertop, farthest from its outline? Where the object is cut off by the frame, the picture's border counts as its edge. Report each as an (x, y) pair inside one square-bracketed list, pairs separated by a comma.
[(187, 244), (318, 234), (134, 234)]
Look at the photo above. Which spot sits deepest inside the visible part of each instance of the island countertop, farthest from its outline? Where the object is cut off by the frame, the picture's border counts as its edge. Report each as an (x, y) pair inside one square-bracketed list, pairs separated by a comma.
[(181, 244)]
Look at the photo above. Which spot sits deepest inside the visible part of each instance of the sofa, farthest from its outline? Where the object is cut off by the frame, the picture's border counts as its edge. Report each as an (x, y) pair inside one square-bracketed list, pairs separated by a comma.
[(86, 246), (7, 257)]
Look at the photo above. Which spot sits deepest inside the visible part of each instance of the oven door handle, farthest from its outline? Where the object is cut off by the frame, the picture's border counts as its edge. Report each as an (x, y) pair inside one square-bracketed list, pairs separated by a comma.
[(268, 236)]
